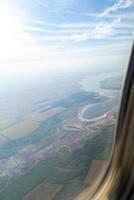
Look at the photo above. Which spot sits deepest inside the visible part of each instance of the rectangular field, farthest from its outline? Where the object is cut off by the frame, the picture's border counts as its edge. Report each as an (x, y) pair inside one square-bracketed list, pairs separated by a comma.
[(6, 122), (40, 117), (30, 123), (21, 129), (44, 191)]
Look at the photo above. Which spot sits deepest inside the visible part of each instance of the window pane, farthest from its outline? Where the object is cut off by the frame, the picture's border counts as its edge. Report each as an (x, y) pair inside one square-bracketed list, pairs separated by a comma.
[(62, 66)]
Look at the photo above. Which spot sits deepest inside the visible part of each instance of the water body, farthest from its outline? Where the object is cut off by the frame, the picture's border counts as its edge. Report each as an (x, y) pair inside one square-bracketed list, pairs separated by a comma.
[(97, 111), (92, 83)]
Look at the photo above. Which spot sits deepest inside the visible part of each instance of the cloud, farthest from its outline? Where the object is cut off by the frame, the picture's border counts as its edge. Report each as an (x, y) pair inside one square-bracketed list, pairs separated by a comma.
[(105, 30), (63, 5), (34, 30), (121, 4), (55, 5), (74, 25), (34, 36), (79, 31), (80, 37), (101, 30)]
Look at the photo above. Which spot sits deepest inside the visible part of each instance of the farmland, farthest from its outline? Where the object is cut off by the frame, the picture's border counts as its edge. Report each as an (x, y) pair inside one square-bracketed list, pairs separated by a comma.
[(43, 116), (30, 123), (7, 122), (20, 129), (46, 190), (48, 151), (50, 169)]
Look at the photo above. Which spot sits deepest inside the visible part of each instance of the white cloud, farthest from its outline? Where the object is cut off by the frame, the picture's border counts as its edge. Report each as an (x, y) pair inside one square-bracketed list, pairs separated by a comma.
[(55, 5), (121, 4), (34, 51), (105, 30), (72, 25), (81, 29), (100, 31), (80, 37)]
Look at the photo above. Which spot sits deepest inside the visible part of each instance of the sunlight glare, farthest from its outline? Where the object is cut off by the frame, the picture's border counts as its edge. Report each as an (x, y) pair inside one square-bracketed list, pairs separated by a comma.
[(10, 32)]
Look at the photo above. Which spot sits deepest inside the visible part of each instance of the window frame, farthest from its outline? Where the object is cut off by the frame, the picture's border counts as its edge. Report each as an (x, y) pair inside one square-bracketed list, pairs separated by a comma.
[(118, 180)]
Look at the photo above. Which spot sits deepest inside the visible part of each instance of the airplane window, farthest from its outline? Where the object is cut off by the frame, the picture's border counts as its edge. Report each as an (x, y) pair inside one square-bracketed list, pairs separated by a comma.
[(62, 66)]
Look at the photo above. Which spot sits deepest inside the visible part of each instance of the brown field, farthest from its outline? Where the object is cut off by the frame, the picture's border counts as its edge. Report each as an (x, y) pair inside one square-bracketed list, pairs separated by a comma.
[(95, 170), (30, 123), (21, 129), (44, 191), (6, 122), (40, 117)]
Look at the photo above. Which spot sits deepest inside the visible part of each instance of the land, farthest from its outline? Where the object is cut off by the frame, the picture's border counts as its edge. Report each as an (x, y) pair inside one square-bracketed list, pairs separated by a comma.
[(50, 152), (44, 190), (20, 129), (64, 171), (112, 83), (7, 122)]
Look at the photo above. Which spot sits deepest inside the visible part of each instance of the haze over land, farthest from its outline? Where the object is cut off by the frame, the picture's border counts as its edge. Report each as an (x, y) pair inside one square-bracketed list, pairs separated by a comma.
[(41, 132), (60, 68)]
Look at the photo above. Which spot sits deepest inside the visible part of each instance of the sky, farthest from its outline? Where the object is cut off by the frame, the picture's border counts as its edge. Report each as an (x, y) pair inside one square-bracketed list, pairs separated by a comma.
[(41, 35)]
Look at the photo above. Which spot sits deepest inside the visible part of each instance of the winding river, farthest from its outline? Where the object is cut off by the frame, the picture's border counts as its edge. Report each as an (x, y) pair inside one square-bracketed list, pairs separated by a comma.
[(96, 111)]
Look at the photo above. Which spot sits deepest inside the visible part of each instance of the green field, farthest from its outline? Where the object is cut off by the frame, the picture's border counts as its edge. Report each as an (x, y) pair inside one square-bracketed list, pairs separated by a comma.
[(50, 171), (44, 190), (45, 131)]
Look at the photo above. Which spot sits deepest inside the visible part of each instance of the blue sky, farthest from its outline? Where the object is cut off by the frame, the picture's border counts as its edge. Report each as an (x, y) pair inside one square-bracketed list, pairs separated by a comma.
[(59, 34)]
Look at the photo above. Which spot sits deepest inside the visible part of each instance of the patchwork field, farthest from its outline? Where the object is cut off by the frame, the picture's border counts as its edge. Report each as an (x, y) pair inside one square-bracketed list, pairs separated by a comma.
[(44, 191), (43, 116), (21, 129), (6, 122), (71, 190), (67, 172), (30, 123)]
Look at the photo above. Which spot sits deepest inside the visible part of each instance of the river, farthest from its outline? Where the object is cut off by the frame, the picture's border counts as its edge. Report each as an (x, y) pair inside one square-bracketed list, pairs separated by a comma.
[(96, 111)]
